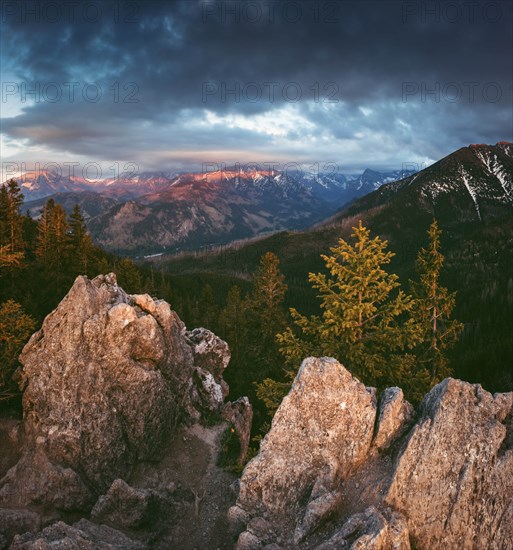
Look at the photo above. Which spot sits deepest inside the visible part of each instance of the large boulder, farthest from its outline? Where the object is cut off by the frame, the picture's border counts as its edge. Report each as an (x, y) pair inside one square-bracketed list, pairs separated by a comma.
[(323, 428), (385, 475), (106, 380), (454, 479)]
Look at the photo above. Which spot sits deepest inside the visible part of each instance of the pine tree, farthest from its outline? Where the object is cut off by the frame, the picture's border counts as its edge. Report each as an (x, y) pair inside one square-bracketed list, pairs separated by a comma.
[(15, 328), (80, 243), (43, 234), (52, 247), (15, 218), (129, 277), (208, 310), (12, 245), (365, 321), (266, 314), (434, 305), (4, 215), (233, 323)]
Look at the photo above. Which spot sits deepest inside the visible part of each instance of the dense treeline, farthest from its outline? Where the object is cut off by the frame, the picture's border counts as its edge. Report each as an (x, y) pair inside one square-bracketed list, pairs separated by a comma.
[(408, 339), (384, 334), (478, 268)]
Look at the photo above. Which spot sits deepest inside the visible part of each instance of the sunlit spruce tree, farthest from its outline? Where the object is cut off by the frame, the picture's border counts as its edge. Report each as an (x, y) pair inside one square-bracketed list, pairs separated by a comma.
[(365, 321), (434, 305)]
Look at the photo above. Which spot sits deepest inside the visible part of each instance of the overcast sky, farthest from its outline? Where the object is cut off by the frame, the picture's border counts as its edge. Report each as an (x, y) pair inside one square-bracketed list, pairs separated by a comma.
[(352, 84)]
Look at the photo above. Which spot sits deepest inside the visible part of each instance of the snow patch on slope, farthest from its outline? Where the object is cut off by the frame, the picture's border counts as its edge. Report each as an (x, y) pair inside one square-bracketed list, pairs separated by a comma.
[(466, 181)]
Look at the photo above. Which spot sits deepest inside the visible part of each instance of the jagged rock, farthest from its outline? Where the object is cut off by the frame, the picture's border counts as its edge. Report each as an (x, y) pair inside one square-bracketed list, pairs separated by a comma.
[(394, 417), (84, 535), (371, 530), (210, 352), (125, 506), (259, 534), (237, 519), (36, 480), (240, 415), (454, 479), (446, 482), (324, 425), (106, 380), (318, 510), (211, 357), (248, 541), (15, 521)]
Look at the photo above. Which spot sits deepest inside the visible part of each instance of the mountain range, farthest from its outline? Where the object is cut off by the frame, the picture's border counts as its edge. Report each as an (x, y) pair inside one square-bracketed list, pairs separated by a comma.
[(469, 192), (155, 212)]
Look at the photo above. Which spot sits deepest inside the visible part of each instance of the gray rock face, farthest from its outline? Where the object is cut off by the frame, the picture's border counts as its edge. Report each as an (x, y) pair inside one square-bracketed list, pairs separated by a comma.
[(83, 535), (13, 521), (240, 415), (323, 428), (106, 380), (127, 507), (454, 479), (371, 530), (394, 415), (384, 476)]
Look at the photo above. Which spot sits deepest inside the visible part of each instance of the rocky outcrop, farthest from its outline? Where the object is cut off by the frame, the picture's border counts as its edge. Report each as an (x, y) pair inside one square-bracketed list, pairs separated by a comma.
[(454, 478), (127, 507), (322, 429), (371, 530), (83, 534), (14, 521), (240, 415), (385, 476), (106, 381), (394, 417)]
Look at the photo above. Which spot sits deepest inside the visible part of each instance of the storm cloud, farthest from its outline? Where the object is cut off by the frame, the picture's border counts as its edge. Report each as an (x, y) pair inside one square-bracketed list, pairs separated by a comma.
[(173, 84)]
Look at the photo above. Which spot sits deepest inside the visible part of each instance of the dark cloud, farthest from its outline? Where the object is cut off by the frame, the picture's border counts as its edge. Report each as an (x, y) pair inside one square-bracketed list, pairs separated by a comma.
[(414, 79)]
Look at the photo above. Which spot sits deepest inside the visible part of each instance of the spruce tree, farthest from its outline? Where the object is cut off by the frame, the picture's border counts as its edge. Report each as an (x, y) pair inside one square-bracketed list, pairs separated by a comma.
[(209, 312), (11, 218), (266, 314), (43, 234), (365, 320), (80, 243), (129, 276), (232, 319), (58, 243), (15, 328), (4, 215), (434, 305)]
